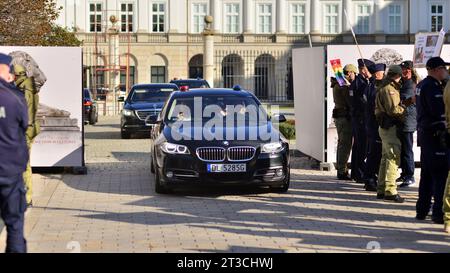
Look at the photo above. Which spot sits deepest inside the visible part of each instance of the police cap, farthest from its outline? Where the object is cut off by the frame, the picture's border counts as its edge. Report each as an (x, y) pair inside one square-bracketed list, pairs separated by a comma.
[(376, 68), (365, 62), (436, 62)]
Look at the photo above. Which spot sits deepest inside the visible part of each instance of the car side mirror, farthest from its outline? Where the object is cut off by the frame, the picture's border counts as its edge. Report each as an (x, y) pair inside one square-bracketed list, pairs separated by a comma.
[(278, 118), (121, 99)]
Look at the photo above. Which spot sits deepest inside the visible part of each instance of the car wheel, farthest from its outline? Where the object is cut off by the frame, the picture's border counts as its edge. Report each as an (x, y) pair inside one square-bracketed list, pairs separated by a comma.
[(92, 119), (124, 135), (158, 187), (286, 184)]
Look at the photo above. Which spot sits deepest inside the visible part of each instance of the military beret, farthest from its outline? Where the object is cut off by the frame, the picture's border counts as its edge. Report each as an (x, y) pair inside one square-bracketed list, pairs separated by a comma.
[(395, 70), (367, 63), (350, 68), (376, 68)]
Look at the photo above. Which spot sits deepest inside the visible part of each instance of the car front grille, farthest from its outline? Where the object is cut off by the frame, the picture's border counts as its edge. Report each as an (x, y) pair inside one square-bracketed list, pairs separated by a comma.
[(218, 154), (143, 114), (241, 153), (211, 154)]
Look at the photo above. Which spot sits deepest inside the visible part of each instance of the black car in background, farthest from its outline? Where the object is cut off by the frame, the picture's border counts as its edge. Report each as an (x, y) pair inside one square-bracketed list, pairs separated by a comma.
[(142, 101), (186, 161), (191, 83), (90, 114)]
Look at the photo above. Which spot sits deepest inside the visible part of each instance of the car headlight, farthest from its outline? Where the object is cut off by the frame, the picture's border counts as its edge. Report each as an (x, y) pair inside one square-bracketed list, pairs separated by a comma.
[(171, 148), (127, 112), (272, 148)]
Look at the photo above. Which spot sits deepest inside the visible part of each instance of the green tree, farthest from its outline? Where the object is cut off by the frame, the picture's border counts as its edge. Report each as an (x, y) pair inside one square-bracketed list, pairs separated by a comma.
[(31, 23)]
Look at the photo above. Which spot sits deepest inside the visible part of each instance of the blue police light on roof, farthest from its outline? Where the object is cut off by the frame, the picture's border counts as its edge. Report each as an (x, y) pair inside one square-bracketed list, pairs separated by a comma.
[(237, 88)]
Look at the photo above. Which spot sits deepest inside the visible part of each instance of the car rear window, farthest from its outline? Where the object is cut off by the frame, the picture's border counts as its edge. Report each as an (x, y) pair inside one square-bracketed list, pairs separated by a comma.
[(151, 93), (193, 84)]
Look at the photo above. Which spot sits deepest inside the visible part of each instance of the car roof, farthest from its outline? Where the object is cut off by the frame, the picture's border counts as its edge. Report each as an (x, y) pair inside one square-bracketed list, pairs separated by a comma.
[(189, 80), (212, 91), (155, 85)]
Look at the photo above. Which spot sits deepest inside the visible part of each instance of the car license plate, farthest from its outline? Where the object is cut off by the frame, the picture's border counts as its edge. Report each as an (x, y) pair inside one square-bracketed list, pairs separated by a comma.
[(227, 168)]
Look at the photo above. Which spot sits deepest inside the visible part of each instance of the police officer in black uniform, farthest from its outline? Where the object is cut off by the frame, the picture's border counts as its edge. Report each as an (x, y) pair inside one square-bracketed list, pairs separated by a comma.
[(13, 158), (373, 137), (358, 104), (431, 126)]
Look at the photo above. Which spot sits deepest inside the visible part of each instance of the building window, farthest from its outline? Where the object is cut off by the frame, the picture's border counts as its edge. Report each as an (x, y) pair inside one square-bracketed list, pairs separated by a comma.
[(331, 19), (158, 17), (265, 18), (123, 77), (362, 19), (232, 22), (158, 74), (395, 19), (199, 12), (95, 17), (437, 17), (298, 18), (126, 17)]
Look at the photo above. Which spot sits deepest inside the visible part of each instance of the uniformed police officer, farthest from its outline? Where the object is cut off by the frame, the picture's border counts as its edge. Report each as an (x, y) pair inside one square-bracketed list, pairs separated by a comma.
[(27, 86), (389, 113), (13, 157), (409, 81), (359, 149), (341, 115), (373, 137), (431, 126), (446, 201)]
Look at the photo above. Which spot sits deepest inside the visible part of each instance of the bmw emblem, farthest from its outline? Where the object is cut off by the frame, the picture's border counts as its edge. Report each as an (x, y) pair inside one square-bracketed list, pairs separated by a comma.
[(226, 143)]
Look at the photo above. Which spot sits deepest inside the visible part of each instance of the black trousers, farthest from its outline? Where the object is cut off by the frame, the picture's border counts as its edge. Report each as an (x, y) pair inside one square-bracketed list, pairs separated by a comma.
[(433, 176), (13, 205), (407, 158), (359, 149), (373, 156)]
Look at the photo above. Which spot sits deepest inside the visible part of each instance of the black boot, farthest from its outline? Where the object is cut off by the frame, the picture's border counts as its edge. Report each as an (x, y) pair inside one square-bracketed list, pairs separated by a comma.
[(395, 198), (371, 185), (343, 177)]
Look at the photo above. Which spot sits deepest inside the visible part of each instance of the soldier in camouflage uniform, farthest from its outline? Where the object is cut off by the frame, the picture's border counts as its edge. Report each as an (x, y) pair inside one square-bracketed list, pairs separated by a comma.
[(28, 87)]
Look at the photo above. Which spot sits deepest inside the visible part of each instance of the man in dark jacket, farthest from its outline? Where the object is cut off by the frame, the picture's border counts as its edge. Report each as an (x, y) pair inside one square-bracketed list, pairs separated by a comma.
[(358, 104), (431, 124), (374, 141), (406, 132), (13, 157)]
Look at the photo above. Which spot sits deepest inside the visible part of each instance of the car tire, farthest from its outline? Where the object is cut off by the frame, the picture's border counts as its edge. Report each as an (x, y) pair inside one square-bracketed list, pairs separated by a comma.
[(125, 135), (286, 184), (92, 119), (160, 189)]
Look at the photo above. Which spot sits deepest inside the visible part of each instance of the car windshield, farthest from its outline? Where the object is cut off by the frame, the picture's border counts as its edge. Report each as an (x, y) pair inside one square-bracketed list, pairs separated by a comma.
[(213, 106), (149, 93), (193, 84)]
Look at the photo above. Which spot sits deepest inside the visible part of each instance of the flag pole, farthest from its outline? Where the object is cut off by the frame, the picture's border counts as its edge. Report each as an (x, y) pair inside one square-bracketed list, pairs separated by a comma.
[(354, 37)]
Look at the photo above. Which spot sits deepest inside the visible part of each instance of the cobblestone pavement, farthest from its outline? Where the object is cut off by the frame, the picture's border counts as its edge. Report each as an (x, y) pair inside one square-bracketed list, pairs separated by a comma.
[(115, 209)]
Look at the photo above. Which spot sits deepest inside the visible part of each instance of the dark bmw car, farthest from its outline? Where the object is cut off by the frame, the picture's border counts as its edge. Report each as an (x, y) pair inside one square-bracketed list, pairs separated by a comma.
[(187, 150), (143, 101)]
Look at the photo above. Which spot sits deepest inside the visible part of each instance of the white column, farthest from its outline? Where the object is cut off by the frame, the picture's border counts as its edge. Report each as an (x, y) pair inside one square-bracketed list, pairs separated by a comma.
[(282, 18), (208, 59), (347, 5), (216, 13), (378, 16), (174, 12), (143, 11), (249, 11), (315, 16)]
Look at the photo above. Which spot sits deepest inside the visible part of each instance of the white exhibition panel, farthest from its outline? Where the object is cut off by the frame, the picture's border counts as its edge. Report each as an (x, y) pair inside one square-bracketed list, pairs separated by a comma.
[(60, 143), (309, 97)]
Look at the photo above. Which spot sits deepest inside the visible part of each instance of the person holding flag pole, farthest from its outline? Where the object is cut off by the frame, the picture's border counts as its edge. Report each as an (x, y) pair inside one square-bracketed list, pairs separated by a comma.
[(358, 104)]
